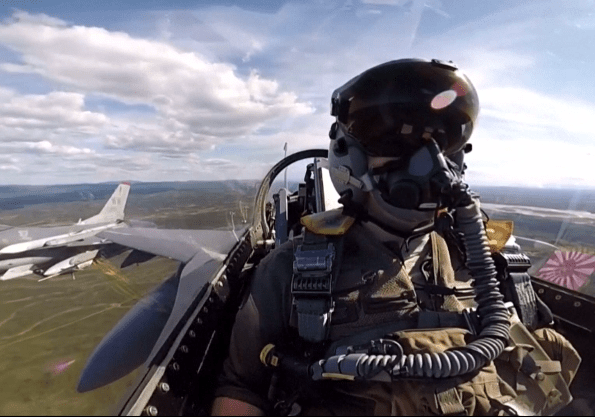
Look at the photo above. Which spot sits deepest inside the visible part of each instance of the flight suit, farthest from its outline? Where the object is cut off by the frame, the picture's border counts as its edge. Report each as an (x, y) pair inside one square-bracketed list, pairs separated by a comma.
[(384, 288)]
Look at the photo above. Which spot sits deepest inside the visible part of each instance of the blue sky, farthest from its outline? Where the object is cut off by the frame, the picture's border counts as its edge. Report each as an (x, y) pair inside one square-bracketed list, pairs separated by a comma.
[(156, 90)]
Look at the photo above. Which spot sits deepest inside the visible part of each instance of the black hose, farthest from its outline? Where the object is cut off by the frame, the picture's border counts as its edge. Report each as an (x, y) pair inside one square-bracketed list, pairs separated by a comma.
[(493, 314)]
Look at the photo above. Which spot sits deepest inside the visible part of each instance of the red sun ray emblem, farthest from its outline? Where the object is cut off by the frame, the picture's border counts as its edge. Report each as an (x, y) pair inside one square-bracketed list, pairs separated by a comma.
[(568, 269)]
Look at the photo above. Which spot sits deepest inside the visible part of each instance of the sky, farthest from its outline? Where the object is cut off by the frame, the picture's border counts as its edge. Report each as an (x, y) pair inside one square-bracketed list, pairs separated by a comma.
[(186, 90)]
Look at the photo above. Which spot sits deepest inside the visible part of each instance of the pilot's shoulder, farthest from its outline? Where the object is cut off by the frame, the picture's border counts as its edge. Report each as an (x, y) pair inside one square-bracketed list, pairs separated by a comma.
[(276, 266), (330, 223)]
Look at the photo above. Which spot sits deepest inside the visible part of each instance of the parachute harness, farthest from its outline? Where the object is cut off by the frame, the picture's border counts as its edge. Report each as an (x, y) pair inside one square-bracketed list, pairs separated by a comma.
[(384, 360)]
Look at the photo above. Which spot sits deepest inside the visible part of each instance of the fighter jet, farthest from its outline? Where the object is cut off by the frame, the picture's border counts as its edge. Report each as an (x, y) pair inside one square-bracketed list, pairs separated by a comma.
[(50, 251), (179, 333)]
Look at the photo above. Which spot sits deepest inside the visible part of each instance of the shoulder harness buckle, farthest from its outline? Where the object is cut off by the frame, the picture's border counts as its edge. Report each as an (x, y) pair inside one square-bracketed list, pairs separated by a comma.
[(312, 270), (314, 265), (513, 272)]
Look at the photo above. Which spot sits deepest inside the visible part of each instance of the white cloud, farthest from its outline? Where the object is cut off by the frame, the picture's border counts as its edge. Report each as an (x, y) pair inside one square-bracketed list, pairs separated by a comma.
[(586, 21), (9, 163), (434, 5), (49, 148), (255, 46), (45, 148), (52, 123), (529, 161), (8, 159), (56, 109), (10, 168), (230, 86), (206, 101), (386, 2), (532, 110), (37, 18)]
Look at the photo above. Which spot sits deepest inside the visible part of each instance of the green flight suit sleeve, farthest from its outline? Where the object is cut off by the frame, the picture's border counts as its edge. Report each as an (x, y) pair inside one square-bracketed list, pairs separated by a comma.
[(263, 319)]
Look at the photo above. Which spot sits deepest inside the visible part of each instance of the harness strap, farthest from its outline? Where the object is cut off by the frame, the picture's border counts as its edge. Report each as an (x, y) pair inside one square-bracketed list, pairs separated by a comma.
[(444, 274), (425, 320), (316, 265), (315, 268), (314, 318), (439, 319), (450, 402), (517, 287)]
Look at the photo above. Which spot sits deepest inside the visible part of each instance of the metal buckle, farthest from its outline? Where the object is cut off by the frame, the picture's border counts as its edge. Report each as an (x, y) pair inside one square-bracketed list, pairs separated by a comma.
[(516, 262), (312, 271), (314, 260)]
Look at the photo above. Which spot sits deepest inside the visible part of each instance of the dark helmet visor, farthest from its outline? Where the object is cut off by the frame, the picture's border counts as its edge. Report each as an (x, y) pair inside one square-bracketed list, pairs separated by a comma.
[(390, 130), (388, 108)]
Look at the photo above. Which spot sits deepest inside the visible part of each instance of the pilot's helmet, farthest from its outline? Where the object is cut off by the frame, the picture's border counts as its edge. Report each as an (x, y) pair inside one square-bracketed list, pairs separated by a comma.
[(392, 109)]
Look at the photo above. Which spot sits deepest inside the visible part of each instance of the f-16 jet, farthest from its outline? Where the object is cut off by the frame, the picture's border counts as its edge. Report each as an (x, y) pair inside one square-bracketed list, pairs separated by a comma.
[(50, 251)]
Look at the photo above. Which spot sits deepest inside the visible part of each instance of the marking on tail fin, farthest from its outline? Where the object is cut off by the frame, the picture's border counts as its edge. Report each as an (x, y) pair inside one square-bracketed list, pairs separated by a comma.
[(114, 208)]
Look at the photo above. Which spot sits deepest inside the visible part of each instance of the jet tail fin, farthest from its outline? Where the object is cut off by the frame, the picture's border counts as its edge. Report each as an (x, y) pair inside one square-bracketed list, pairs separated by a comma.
[(114, 208)]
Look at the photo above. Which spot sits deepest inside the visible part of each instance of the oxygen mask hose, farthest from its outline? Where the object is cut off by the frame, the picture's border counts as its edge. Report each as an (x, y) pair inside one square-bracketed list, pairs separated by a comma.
[(493, 314)]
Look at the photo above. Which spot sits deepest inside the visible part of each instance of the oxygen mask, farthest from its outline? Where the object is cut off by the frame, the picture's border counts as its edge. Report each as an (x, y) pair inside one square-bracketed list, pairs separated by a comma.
[(424, 180)]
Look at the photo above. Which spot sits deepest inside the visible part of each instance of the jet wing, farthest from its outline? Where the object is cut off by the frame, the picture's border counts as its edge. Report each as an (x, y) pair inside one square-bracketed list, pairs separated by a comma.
[(148, 326), (178, 244)]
